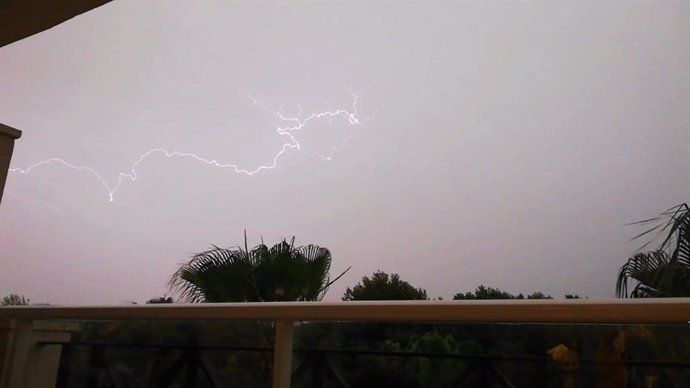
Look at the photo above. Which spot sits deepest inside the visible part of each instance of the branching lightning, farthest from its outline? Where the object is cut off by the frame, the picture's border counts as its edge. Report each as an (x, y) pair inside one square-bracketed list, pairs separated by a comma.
[(294, 124)]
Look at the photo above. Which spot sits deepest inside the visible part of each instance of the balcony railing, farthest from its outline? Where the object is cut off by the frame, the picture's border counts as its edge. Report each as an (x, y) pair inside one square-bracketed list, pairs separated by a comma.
[(36, 348)]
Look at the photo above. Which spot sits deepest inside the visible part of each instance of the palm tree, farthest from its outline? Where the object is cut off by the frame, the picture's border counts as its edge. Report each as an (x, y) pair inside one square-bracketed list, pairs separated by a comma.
[(280, 273), (664, 272)]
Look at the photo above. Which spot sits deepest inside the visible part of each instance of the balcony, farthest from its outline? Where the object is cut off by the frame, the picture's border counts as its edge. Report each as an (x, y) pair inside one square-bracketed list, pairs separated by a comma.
[(544, 343)]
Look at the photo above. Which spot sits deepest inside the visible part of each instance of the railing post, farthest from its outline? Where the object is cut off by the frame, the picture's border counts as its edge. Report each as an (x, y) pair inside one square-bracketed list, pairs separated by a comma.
[(317, 369), (282, 354), (26, 363), (6, 342), (7, 137), (15, 352)]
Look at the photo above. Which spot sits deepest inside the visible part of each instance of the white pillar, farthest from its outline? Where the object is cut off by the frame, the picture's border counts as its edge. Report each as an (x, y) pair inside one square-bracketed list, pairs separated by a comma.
[(7, 137), (25, 362), (282, 354)]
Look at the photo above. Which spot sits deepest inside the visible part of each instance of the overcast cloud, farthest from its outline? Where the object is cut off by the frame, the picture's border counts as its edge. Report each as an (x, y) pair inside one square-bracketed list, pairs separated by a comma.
[(499, 143)]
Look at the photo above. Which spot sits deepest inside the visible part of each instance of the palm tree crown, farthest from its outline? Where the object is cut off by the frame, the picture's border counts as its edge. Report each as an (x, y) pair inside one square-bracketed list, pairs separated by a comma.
[(280, 273), (664, 272)]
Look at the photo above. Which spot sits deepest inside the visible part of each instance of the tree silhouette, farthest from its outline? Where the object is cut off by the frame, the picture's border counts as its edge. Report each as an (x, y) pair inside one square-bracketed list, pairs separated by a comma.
[(382, 286), (483, 292), (14, 300)]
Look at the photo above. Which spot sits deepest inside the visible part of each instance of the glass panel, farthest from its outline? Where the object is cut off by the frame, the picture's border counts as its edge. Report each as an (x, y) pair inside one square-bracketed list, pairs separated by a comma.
[(491, 355), (167, 354), (379, 354)]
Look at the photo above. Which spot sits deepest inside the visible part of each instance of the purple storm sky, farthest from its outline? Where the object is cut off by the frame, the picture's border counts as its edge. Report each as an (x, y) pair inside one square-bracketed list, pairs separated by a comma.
[(496, 143)]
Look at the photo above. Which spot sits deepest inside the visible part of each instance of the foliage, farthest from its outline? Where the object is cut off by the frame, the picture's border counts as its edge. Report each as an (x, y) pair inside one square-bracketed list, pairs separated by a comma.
[(280, 273), (14, 300), (427, 372), (382, 286), (538, 295), (134, 364), (483, 292), (160, 300), (664, 272)]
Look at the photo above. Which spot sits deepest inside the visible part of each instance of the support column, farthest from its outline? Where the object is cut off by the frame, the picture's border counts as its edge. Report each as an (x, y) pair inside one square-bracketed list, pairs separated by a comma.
[(25, 362), (6, 341), (7, 137), (282, 354)]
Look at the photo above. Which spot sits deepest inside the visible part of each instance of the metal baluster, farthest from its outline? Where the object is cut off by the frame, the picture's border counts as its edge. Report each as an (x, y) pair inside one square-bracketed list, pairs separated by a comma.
[(192, 376), (209, 371), (167, 378), (335, 372), (317, 370), (65, 367), (93, 372)]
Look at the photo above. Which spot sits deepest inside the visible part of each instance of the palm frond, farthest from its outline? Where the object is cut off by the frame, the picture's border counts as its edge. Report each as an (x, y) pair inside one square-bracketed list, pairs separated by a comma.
[(648, 220), (645, 269), (317, 266), (664, 272), (281, 272), (212, 276), (666, 224), (330, 282)]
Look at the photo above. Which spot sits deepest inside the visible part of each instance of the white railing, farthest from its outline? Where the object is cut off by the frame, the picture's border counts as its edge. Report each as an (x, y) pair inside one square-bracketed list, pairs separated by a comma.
[(24, 364)]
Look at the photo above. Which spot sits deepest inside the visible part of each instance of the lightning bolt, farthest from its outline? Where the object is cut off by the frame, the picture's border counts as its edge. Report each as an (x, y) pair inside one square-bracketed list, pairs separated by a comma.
[(329, 156), (294, 124)]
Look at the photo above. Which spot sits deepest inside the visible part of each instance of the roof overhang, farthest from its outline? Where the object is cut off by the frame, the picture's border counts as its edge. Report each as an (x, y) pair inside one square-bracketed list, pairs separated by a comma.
[(22, 18)]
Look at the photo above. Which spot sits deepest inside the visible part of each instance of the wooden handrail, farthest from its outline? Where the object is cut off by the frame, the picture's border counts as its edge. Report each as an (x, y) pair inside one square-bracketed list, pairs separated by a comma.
[(671, 310)]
